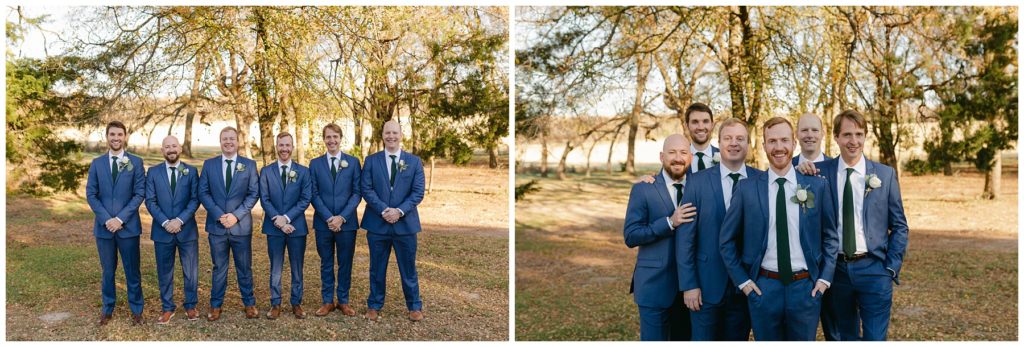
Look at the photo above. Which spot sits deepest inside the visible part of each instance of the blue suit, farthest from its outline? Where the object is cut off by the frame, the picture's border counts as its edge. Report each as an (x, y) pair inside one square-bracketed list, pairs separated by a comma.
[(165, 205), (382, 236), (724, 315), (335, 196), (121, 198), (828, 315), (863, 289), (655, 286), (238, 200), (289, 198), (781, 312)]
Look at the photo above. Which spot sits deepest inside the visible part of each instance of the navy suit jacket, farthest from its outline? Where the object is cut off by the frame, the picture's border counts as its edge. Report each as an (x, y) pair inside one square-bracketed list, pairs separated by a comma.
[(120, 199), (796, 159), (164, 205), (698, 259), (239, 201), (335, 196), (290, 200), (744, 235), (654, 281), (885, 224), (379, 195)]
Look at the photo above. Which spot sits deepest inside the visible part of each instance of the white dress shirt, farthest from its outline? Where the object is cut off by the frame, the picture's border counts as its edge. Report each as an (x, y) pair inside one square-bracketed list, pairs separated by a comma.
[(708, 158), (337, 160), (820, 158), (857, 180), (224, 166), (727, 182), (669, 184), (398, 158)]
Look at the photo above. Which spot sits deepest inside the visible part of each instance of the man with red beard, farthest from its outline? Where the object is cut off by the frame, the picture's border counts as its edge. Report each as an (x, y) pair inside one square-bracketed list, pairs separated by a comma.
[(779, 243), (652, 216)]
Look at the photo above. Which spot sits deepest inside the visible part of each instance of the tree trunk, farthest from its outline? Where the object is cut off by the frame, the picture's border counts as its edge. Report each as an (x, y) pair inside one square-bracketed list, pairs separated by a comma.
[(589, 152), (561, 162), (643, 68), (261, 86), (611, 150), (186, 147), (430, 181), (993, 179), (543, 155), (492, 153)]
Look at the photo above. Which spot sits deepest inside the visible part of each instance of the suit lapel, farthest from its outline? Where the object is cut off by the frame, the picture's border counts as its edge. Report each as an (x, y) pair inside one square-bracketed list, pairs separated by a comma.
[(666, 198), (717, 190), (803, 222), (869, 168), (383, 163), (762, 200), (165, 178)]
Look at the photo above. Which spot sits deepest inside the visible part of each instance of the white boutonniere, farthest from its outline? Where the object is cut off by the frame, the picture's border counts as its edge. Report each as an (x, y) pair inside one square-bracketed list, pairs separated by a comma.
[(401, 165), (183, 170), (717, 158), (803, 197), (871, 182), (124, 164), (292, 176), (239, 167), (344, 163)]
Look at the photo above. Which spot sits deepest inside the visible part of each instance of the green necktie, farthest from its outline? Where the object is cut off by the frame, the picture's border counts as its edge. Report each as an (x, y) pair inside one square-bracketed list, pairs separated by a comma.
[(174, 178), (782, 234), (284, 175), (700, 161), (334, 168), (113, 169), (735, 176), (849, 240), (394, 169), (679, 193), (227, 175)]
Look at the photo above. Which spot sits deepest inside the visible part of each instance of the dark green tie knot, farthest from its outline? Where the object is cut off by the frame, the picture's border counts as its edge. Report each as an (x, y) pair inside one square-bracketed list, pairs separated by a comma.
[(700, 161), (284, 174), (781, 181), (735, 176), (679, 193)]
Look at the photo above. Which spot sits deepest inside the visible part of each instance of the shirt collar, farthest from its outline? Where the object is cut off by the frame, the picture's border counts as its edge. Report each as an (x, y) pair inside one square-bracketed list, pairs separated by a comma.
[(724, 171), (669, 180), (790, 176), (820, 157), (234, 158), (860, 167), (395, 153), (329, 156), (169, 164), (119, 155), (706, 151), (280, 163)]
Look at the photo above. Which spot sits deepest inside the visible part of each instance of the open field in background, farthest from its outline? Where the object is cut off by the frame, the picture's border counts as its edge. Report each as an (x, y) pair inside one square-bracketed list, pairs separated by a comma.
[(53, 275), (959, 280)]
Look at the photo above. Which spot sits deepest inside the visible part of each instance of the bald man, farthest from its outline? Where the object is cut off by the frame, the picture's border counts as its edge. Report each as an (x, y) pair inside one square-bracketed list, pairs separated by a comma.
[(172, 197), (652, 216), (392, 185), (809, 132)]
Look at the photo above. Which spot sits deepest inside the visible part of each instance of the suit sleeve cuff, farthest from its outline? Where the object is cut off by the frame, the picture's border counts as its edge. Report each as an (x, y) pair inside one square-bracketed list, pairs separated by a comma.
[(892, 272), (744, 284)]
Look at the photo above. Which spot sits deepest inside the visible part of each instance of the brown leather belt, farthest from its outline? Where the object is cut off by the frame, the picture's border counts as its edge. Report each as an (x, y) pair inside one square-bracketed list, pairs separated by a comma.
[(775, 275), (854, 258)]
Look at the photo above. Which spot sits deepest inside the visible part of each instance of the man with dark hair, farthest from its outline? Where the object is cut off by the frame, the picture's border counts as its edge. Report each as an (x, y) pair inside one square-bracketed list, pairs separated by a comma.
[(115, 188), (700, 123)]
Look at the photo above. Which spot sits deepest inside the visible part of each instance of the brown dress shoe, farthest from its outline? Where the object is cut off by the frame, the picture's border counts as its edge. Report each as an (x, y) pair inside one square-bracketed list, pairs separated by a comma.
[(137, 319), (346, 310), (416, 316), (165, 318), (324, 310), (372, 314), (297, 311), (192, 314), (274, 312), (104, 318), (213, 315), (251, 312)]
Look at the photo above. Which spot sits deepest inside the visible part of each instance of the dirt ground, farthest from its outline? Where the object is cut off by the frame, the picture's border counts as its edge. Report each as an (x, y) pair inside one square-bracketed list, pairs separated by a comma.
[(959, 277), (53, 276)]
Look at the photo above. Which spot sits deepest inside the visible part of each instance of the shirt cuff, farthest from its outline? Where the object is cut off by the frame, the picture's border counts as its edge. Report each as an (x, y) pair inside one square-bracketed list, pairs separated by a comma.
[(119, 219), (164, 224), (827, 283), (669, 221), (744, 284), (180, 221), (400, 211), (892, 272), (289, 219)]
